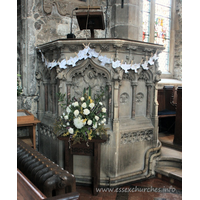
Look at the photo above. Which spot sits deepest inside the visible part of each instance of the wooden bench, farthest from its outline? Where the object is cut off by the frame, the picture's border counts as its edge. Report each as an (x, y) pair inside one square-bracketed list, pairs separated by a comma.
[(178, 124), (167, 99), (45, 175), (27, 190)]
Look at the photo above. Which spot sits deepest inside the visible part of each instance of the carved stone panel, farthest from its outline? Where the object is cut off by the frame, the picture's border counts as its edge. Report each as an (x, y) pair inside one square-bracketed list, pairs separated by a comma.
[(137, 136), (89, 76), (141, 98), (125, 99)]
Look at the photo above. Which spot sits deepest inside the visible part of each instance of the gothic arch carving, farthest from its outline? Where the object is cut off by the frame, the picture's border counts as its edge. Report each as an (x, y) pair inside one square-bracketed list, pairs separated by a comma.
[(145, 75), (81, 69), (87, 74)]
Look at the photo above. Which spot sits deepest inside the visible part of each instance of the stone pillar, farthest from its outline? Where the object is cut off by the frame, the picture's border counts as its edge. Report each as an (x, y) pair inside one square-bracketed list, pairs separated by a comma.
[(125, 19), (28, 50), (116, 135), (53, 85), (109, 111), (116, 103), (68, 91), (41, 102), (152, 21), (155, 114), (134, 85), (46, 96), (148, 110)]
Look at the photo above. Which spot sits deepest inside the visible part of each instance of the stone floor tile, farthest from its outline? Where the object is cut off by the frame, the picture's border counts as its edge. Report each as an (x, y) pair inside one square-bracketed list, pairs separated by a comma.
[(85, 196), (136, 196), (96, 198)]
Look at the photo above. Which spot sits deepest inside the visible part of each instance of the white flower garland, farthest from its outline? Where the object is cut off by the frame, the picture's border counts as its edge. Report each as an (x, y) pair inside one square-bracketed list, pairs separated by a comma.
[(87, 52)]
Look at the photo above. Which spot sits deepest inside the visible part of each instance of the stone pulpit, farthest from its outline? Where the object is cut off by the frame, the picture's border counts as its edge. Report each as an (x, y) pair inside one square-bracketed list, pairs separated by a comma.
[(129, 69)]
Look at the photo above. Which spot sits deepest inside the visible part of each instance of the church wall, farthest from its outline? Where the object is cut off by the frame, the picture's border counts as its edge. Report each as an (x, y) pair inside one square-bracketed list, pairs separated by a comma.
[(178, 42)]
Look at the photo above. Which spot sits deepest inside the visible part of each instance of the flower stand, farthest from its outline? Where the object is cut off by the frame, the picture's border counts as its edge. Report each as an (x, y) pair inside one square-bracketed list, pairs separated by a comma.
[(92, 149)]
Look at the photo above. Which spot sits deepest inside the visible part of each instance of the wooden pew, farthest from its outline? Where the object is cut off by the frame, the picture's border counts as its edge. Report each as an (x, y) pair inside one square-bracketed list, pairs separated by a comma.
[(47, 176), (178, 124), (167, 99), (27, 190)]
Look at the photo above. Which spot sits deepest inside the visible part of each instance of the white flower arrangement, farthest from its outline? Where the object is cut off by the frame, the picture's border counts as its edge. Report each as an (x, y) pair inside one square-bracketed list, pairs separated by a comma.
[(83, 120)]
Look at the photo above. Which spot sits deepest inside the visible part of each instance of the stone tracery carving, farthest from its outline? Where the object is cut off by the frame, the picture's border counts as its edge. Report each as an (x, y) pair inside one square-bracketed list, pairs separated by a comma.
[(86, 77), (138, 136)]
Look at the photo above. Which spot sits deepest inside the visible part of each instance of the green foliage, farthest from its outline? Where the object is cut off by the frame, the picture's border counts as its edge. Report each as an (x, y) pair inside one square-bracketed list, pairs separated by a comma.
[(82, 119)]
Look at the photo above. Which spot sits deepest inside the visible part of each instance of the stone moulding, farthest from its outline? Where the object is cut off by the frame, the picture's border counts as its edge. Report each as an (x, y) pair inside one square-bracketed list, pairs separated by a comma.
[(137, 136), (87, 52)]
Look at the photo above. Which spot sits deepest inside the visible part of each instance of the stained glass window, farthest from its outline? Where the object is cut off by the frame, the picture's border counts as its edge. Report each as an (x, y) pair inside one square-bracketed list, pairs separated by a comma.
[(161, 28), (162, 31), (146, 20)]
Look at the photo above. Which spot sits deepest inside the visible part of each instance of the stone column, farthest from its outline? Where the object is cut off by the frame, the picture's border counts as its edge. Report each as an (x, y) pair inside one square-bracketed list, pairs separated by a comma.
[(41, 102), (148, 99), (28, 49), (155, 114), (46, 95), (134, 85), (53, 85), (125, 19), (116, 104), (116, 136), (109, 102), (152, 21), (68, 91)]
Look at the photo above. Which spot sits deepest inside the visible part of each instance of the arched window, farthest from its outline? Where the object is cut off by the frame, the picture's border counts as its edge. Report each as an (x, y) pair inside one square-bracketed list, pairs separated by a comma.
[(158, 28)]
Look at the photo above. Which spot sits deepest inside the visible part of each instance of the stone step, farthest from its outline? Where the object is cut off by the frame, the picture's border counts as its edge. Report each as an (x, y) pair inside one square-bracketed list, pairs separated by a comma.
[(169, 166), (170, 145), (171, 172), (169, 157)]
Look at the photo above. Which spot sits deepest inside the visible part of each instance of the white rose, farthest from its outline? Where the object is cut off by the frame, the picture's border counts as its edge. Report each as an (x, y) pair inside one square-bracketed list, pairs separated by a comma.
[(66, 117), (82, 98), (78, 123), (75, 104), (104, 119), (96, 117), (68, 110), (104, 110), (76, 113), (86, 112), (100, 103), (67, 123), (89, 122), (91, 105), (71, 130), (84, 105)]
